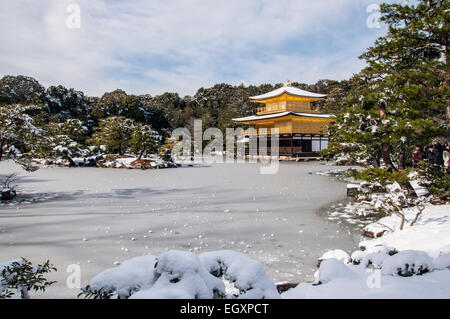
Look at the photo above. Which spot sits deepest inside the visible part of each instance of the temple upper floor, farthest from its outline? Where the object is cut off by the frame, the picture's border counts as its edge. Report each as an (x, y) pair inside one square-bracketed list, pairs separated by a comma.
[(286, 106), (287, 99)]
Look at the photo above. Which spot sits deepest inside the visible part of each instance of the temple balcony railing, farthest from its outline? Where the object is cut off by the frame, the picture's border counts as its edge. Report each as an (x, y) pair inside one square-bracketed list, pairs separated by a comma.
[(282, 150)]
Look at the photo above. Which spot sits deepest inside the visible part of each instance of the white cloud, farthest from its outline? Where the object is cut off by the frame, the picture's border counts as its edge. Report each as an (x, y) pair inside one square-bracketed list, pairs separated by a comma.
[(152, 46)]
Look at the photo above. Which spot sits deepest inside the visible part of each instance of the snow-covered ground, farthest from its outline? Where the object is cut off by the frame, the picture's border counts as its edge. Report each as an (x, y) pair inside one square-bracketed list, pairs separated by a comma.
[(409, 261), (431, 232), (99, 218), (180, 274), (413, 262)]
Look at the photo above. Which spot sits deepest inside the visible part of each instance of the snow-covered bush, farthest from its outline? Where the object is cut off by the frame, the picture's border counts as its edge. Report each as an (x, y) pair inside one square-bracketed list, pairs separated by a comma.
[(122, 281), (336, 254), (374, 260), (18, 132), (331, 269), (178, 274), (181, 275), (372, 255), (18, 277), (442, 262), (247, 275), (407, 263)]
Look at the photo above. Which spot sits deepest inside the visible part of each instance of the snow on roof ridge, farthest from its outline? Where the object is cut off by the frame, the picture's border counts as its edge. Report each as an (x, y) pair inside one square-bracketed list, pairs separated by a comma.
[(290, 90)]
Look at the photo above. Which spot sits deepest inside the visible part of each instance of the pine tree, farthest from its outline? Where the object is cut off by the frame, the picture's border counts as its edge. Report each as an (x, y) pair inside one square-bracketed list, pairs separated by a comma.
[(144, 140), (18, 133), (114, 133), (66, 140), (21, 90), (400, 99), (166, 149)]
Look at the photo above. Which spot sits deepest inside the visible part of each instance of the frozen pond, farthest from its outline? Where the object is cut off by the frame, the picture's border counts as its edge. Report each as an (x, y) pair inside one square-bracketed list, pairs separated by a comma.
[(96, 217)]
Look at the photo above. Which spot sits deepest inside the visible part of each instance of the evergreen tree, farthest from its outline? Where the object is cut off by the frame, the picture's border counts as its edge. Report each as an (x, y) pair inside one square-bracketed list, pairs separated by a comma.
[(144, 140), (114, 133), (66, 140), (399, 100), (165, 150), (155, 116), (119, 103), (18, 133), (66, 103), (21, 90)]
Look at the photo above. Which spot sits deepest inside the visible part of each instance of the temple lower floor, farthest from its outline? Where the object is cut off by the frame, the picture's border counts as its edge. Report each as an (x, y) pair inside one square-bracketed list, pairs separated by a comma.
[(296, 145)]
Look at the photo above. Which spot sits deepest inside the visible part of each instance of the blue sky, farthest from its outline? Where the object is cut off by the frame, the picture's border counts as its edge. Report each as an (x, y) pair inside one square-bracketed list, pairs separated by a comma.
[(153, 46)]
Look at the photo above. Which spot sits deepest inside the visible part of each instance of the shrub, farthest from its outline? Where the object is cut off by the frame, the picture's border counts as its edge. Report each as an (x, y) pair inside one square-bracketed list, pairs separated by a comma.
[(379, 175), (177, 274), (18, 277), (432, 176)]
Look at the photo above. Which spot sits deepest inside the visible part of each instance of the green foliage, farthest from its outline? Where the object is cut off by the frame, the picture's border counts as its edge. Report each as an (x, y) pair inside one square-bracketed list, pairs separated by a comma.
[(166, 149), (114, 133), (144, 140), (399, 99), (19, 277), (18, 134), (118, 104), (120, 134), (88, 293), (382, 176), (67, 139), (434, 179), (66, 103), (20, 90)]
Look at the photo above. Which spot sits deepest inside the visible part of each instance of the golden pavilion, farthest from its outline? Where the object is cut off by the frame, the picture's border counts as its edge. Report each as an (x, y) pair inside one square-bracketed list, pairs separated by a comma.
[(302, 130)]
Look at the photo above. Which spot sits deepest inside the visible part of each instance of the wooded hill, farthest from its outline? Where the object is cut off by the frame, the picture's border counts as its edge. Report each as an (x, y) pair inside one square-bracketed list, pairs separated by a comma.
[(216, 106)]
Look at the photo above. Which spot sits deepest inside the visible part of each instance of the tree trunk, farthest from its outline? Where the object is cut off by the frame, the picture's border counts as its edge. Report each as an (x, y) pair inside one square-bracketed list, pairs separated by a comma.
[(447, 53), (385, 154), (376, 162), (383, 113), (447, 83), (23, 292), (386, 147), (401, 160), (1, 149), (72, 163), (448, 110)]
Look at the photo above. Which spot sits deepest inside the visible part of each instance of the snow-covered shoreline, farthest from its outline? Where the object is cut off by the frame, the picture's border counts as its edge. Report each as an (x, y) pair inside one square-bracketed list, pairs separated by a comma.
[(128, 161), (391, 267), (409, 263), (408, 255)]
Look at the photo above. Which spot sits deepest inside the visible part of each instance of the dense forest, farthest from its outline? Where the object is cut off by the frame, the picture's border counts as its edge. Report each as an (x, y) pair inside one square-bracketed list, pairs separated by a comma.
[(61, 121), (215, 106)]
